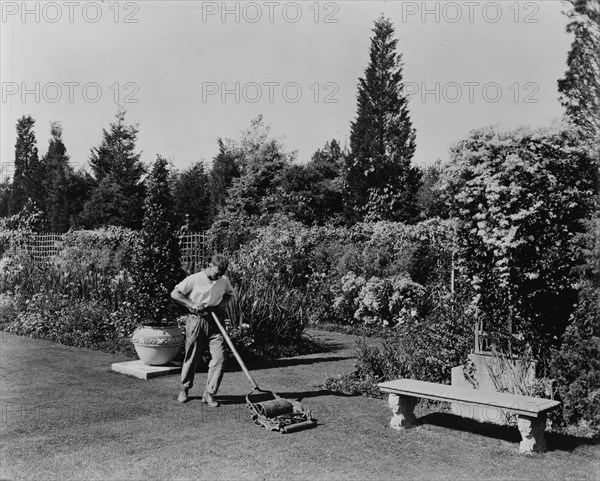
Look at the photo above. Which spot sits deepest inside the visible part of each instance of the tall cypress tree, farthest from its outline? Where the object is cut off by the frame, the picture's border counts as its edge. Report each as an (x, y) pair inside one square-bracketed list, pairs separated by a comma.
[(380, 183), (118, 194), (156, 261), (57, 181), (28, 175)]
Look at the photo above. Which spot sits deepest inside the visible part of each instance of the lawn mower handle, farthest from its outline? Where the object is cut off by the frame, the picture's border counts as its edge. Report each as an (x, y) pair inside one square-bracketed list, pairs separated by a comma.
[(235, 353)]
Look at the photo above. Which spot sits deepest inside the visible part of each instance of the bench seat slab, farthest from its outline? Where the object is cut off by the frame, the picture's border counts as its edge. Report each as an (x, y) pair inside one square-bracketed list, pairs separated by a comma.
[(526, 405)]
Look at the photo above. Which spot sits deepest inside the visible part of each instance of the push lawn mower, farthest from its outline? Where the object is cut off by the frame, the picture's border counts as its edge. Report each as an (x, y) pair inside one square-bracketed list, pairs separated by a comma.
[(276, 414)]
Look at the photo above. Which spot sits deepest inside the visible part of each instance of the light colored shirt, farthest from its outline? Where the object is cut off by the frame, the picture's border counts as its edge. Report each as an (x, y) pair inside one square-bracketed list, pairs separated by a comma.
[(202, 291)]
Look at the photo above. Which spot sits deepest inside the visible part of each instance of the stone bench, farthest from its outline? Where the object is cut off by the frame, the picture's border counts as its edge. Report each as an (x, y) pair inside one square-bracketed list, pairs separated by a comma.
[(405, 393)]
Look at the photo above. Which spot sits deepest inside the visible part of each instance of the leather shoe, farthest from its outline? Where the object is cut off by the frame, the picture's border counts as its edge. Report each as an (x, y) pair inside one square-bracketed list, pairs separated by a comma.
[(207, 398), (183, 396)]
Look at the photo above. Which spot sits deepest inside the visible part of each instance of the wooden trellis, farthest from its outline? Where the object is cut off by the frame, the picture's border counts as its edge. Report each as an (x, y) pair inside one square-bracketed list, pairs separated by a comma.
[(42, 247), (194, 251), (39, 246)]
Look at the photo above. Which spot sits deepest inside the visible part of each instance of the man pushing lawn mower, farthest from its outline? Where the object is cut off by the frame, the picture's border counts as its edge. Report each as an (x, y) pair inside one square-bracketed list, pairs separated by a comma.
[(204, 293)]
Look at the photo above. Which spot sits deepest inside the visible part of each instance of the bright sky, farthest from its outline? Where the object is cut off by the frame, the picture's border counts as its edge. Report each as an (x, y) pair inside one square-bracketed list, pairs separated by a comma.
[(190, 72)]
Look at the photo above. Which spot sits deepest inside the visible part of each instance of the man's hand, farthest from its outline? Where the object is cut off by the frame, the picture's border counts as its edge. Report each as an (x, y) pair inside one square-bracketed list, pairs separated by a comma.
[(198, 310)]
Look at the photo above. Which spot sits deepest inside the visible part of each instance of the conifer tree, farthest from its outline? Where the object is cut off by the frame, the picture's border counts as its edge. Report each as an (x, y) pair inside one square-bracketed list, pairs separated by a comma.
[(580, 88), (28, 175), (380, 183), (57, 182), (117, 171), (156, 264)]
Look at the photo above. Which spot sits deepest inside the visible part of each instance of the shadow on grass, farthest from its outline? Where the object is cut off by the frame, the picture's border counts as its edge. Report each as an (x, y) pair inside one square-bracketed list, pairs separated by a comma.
[(554, 441), (257, 363), (296, 396), (318, 351), (277, 363)]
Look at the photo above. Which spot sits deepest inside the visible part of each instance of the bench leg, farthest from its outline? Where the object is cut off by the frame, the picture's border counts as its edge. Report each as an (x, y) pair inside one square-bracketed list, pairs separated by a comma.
[(402, 411), (532, 432)]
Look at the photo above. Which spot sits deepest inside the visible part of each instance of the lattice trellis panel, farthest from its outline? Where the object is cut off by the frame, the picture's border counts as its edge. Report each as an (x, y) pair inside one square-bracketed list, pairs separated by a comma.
[(42, 247), (194, 251)]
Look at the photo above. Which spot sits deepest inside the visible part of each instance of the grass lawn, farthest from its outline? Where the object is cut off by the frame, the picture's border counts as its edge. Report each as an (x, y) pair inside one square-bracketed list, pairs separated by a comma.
[(65, 415)]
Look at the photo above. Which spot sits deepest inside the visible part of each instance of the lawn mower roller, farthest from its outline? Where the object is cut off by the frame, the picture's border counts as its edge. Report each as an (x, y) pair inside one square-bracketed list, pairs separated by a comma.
[(277, 414)]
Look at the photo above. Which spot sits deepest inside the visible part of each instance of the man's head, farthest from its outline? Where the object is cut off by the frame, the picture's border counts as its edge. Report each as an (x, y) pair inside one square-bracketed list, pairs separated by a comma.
[(218, 266)]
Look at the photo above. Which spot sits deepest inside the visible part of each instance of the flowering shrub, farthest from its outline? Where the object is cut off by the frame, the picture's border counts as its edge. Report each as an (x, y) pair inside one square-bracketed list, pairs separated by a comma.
[(346, 304), (83, 323), (386, 302), (91, 265), (424, 348), (406, 301), (242, 336), (373, 305), (288, 277), (78, 297), (520, 197)]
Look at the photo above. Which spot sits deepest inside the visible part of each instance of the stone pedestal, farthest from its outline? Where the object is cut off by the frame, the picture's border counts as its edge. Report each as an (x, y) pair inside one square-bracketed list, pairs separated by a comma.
[(402, 408), (143, 371), (532, 432)]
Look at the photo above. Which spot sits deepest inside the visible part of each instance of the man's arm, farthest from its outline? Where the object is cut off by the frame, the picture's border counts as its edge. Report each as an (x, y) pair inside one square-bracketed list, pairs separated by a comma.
[(184, 300), (227, 296)]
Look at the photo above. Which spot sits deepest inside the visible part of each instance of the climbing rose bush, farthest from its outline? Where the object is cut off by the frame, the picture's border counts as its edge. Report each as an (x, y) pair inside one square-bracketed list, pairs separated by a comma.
[(520, 197)]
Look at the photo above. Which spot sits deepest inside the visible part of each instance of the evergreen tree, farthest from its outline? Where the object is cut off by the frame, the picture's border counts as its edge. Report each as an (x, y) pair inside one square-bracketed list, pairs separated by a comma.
[(192, 198), (117, 172), (224, 171), (380, 183), (78, 192), (156, 264), (28, 175), (57, 182), (580, 88)]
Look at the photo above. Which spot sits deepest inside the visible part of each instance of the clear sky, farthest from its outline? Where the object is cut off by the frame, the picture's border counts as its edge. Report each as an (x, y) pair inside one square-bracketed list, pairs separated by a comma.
[(190, 72)]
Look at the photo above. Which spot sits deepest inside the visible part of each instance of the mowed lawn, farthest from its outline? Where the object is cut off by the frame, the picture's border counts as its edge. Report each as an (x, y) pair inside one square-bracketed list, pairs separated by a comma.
[(65, 415)]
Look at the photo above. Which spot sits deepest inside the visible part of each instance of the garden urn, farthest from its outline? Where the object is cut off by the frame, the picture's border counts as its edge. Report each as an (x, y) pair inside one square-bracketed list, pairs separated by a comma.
[(157, 345)]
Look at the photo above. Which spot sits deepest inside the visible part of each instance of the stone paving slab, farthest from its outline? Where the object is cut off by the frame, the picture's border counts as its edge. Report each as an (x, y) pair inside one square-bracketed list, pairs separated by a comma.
[(143, 371)]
